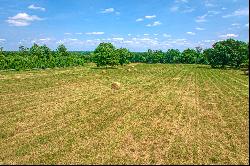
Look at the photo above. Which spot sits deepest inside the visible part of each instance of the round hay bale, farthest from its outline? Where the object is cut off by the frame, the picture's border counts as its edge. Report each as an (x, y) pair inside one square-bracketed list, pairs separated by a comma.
[(247, 72), (116, 85), (104, 71), (132, 66), (129, 70)]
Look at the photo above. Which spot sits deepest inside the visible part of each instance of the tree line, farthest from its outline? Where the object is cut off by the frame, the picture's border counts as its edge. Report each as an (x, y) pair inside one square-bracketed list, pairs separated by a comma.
[(224, 53)]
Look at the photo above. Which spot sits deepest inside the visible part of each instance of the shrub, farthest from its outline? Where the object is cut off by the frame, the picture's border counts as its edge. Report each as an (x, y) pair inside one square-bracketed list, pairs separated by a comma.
[(105, 55)]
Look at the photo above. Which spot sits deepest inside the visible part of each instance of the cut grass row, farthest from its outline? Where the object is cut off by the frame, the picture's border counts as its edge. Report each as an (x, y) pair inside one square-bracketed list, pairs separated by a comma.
[(163, 114)]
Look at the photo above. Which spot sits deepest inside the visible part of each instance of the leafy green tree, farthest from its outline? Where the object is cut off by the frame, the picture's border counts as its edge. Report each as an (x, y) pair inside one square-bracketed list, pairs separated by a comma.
[(172, 56), (105, 55), (189, 56), (154, 56), (228, 52), (62, 50), (124, 55)]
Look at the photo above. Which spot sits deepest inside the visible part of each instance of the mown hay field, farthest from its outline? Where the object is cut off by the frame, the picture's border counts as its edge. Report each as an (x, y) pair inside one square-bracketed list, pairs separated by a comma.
[(160, 114)]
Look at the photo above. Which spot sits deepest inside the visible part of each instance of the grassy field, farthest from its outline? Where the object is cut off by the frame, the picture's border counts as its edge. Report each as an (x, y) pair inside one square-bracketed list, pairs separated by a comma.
[(163, 114)]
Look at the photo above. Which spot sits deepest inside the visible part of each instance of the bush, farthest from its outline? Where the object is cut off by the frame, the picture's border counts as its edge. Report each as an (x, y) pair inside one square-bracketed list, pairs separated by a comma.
[(124, 55), (228, 52), (105, 55)]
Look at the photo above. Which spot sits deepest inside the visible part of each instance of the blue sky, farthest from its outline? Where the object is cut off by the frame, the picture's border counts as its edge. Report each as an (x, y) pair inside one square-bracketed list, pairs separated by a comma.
[(135, 24)]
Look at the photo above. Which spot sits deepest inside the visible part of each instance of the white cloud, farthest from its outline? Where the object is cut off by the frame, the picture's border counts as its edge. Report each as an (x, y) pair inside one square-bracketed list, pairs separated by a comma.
[(45, 39), (247, 25), (166, 35), (139, 19), (200, 29), (129, 34), (145, 34), (181, 1), (229, 36), (79, 33), (36, 7), (67, 33), (235, 24), (2, 40), (174, 8), (188, 10), (190, 33), (22, 19), (150, 17), (208, 41), (223, 8), (94, 33), (213, 12), (156, 23), (209, 4), (118, 38), (155, 34), (201, 18), (108, 10), (239, 12)]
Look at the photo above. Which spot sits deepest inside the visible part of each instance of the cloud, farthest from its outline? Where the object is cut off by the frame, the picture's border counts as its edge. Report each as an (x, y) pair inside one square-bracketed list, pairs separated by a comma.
[(213, 12), (22, 19), (235, 24), (166, 35), (145, 34), (156, 23), (94, 33), (45, 39), (188, 10), (181, 1), (190, 33), (229, 36), (139, 19), (118, 38), (247, 25), (150, 17), (223, 8), (174, 8), (200, 29), (201, 18), (36, 7), (108, 10), (239, 12), (209, 4), (183, 9), (67, 33), (78, 33), (2, 41)]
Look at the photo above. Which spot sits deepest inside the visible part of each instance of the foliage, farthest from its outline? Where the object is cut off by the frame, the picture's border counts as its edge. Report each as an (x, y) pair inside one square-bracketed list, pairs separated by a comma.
[(38, 57), (105, 55), (124, 55), (228, 52)]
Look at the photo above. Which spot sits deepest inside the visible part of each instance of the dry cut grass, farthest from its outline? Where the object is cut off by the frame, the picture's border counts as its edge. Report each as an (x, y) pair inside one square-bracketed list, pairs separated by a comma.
[(162, 114)]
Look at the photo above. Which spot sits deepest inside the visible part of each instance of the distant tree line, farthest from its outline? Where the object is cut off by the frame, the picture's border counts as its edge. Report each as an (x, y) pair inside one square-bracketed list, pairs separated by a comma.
[(228, 52), (39, 57)]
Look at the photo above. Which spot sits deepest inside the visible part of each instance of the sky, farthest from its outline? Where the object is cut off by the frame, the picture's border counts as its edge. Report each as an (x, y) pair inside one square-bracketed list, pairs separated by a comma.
[(134, 24)]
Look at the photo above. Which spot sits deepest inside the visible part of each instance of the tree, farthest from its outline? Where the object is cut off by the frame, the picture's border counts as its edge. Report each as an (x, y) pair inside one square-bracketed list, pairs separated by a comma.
[(228, 52), (172, 56), (105, 55), (62, 50), (124, 55), (189, 56)]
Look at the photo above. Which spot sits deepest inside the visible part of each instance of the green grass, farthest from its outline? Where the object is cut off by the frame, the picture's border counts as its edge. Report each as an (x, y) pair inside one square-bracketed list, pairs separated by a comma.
[(163, 114)]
